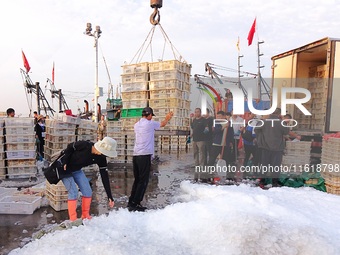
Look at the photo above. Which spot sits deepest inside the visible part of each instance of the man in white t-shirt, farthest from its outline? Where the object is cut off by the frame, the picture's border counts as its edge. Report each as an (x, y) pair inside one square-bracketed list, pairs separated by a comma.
[(144, 148)]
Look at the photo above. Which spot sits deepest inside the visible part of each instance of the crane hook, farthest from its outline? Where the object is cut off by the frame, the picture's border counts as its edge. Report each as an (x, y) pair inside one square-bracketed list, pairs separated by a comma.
[(155, 17)]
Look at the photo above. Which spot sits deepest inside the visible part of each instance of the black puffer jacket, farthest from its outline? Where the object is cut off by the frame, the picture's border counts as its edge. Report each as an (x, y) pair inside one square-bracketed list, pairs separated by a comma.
[(79, 154)]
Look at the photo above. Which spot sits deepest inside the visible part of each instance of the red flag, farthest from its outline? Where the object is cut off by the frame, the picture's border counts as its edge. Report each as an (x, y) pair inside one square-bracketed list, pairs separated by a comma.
[(26, 65), (251, 33), (53, 74)]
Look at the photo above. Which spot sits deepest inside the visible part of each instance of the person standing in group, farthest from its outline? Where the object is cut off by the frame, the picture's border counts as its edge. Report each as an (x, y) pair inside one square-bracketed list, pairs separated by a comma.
[(237, 123), (102, 127), (208, 136), (223, 135), (198, 125), (39, 129), (272, 145), (81, 154), (249, 141), (10, 113), (35, 116), (143, 150)]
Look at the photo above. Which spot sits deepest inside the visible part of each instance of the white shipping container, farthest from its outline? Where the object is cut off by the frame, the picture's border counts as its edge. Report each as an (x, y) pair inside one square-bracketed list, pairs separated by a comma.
[(19, 204)]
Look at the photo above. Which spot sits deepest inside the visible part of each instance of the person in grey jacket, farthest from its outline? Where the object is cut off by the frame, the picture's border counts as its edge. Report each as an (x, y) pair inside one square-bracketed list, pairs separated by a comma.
[(272, 144)]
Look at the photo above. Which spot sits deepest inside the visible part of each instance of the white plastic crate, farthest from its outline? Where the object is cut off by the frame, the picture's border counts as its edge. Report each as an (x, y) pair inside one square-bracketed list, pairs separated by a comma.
[(19, 204), (71, 119), (81, 131), (170, 102), (166, 84), (2, 173), (135, 86), (87, 124), (166, 93), (56, 146), (136, 77), (2, 155), (59, 124), (20, 138), (113, 129), (186, 86), (127, 104), (21, 171), (135, 95), (50, 151), (165, 65), (2, 163), (19, 130), (20, 146), (29, 154), (116, 123), (60, 131), (60, 138), (166, 75), (19, 122), (135, 68), (92, 138)]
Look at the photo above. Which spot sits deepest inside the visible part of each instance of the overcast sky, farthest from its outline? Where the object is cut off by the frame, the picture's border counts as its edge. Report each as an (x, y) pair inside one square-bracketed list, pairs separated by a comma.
[(202, 31)]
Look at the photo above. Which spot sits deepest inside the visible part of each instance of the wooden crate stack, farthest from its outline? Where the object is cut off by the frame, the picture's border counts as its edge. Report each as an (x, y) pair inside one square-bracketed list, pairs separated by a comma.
[(330, 162), (297, 154), (20, 147), (87, 131), (57, 196), (169, 91), (2, 153), (59, 133), (318, 86)]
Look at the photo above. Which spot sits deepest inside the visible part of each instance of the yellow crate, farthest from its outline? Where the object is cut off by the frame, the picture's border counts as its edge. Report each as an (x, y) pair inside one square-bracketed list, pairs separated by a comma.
[(166, 84), (136, 68), (170, 102), (136, 77), (135, 86), (166, 75), (165, 65), (333, 189), (135, 95), (166, 93)]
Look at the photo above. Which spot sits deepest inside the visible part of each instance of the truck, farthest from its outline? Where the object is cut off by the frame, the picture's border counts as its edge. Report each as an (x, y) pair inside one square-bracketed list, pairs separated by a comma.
[(315, 67)]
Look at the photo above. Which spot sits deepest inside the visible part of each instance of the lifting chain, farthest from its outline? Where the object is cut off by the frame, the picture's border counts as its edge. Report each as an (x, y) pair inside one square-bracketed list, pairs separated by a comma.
[(155, 17)]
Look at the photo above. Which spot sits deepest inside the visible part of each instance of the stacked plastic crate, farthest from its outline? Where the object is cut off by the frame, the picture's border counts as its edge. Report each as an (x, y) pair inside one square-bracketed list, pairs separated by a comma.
[(20, 147), (57, 195), (297, 156), (330, 164), (59, 133), (2, 153), (169, 91), (135, 95), (114, 130), (87, 131)]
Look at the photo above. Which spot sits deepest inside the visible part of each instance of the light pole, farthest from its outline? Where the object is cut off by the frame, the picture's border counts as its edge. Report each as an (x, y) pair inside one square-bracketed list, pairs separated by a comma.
[(96, 34)]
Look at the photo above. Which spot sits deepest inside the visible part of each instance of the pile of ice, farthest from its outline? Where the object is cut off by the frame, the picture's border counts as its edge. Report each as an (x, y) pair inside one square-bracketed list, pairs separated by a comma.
[(210, 220)]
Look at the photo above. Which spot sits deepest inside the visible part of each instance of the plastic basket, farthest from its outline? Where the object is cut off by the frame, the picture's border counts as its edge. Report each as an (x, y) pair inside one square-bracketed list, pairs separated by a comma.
[(21, 154), (135, 103), (21, 163), (19, 204), (131, 113), (60, 138), (166, 93), (19, 122), (136, 77), (20, 130), (135, 86), (135, 68), (20, 138), (59, 124), (166, 84), (166, 75), (136, 95), (20, 146)]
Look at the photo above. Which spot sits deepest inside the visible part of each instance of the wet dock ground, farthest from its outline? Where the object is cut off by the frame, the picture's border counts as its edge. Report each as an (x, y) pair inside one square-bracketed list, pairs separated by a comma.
[(165, 179)]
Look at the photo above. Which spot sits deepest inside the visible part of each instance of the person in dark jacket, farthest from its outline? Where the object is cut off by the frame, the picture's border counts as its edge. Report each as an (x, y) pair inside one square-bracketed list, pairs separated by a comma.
[(40, 134), (81, 154), (223, 135)]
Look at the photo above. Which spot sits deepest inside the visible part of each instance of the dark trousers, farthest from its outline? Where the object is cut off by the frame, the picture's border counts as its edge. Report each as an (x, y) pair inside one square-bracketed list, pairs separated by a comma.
[(250, 150), (215, 151), (274, 159), (141, 172), (208, 147)]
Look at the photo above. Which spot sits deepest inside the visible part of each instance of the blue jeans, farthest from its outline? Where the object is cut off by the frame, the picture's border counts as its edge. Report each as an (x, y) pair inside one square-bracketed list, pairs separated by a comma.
[(79, 178)]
